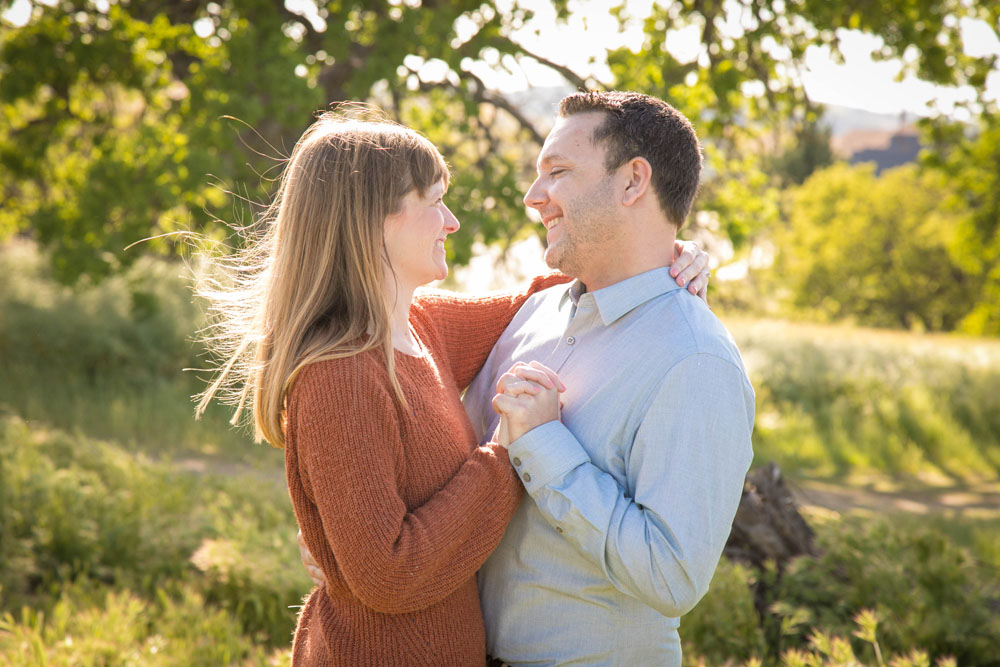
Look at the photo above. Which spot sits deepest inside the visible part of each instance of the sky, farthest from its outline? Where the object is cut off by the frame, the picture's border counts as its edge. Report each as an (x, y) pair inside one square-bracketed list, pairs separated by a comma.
[(858, 82), (581, 44)]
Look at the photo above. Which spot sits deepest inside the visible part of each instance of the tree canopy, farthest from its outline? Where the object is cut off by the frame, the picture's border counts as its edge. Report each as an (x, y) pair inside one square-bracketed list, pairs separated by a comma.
[(125, 120)]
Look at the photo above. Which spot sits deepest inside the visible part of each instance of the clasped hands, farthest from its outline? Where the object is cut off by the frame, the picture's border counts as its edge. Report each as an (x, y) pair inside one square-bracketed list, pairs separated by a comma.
[(527, 397)]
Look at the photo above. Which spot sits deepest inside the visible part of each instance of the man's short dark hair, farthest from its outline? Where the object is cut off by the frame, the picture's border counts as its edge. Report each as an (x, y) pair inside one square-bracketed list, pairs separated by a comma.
[(637, 125)]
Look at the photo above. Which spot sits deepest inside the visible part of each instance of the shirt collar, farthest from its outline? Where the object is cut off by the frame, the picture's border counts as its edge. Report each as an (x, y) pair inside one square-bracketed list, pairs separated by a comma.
[(616, 300)]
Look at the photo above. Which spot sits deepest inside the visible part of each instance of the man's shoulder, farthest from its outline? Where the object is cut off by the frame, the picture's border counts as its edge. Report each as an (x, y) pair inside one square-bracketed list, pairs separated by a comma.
[(691, 328)]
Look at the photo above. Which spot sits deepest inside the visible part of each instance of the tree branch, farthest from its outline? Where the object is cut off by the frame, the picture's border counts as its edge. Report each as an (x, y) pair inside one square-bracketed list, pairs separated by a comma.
[(566, 72), (499, 101)]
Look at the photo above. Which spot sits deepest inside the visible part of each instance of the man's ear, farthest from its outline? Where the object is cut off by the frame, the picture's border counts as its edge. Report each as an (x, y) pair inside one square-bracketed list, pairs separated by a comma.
[(639, 175)]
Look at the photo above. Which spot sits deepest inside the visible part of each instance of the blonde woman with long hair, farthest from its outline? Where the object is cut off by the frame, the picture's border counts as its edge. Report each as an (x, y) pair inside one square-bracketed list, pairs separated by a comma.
[(320, 335)]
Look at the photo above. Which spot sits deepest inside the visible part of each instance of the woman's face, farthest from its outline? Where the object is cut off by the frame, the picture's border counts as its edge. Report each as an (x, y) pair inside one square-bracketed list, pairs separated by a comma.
[(414, 237)]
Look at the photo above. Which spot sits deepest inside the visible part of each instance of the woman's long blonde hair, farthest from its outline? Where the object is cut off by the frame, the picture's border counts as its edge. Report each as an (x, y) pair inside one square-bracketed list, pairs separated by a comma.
[(310, 285)]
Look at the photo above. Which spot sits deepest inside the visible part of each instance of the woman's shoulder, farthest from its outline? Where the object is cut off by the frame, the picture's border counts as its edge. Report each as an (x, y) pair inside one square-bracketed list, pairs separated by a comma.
[(356, 374)]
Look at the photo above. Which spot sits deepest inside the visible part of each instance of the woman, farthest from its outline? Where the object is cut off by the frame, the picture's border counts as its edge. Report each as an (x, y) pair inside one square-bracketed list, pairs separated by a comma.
[(359, 382)]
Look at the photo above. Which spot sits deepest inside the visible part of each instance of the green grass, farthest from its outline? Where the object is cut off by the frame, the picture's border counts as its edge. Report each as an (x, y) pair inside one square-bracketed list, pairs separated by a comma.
[(202, 568), (107, 360), (839, 402)]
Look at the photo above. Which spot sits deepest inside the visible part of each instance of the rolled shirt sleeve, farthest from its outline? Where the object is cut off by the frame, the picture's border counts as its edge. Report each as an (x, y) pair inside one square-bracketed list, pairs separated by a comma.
[(659, 538)]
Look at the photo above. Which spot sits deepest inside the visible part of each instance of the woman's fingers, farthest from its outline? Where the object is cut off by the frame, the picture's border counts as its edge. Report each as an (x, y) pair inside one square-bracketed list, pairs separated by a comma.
[(699, 286), (529, 379), (537, 365), (536, 375), (513, 385), (689, 264)]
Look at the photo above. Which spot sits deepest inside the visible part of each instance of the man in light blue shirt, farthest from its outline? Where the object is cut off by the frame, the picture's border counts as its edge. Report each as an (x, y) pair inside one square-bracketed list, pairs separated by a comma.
[(634, 484)]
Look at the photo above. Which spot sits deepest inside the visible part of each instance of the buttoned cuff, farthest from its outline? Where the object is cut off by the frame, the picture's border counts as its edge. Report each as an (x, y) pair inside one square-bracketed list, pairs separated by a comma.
[(545, 453)]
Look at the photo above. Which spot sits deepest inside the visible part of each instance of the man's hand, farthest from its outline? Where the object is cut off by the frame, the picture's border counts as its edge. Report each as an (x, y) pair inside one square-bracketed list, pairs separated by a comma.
[(312, 567), (527, 397), (690, 267)]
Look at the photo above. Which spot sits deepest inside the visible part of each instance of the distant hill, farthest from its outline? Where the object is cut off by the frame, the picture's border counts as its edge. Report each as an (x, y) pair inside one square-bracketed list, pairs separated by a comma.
[(846, 119)]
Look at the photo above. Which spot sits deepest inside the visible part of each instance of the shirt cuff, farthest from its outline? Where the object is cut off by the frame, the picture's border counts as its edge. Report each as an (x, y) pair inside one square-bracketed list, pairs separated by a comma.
[(545, 453)]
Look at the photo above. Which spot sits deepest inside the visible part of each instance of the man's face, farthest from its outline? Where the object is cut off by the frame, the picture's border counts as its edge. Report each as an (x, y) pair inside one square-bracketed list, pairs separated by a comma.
[(575, 197)]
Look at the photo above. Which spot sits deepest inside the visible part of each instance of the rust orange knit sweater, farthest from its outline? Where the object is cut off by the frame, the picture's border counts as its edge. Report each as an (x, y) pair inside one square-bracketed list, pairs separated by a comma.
[(400, 506)]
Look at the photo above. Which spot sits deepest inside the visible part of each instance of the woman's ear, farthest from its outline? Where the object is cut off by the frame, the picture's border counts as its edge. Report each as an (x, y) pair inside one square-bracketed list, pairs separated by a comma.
[(639, 175)]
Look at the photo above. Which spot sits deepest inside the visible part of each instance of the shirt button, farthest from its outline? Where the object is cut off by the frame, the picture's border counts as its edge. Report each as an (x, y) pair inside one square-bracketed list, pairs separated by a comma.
[(570, 340), (558, 529), (527, 477), (517, 461)]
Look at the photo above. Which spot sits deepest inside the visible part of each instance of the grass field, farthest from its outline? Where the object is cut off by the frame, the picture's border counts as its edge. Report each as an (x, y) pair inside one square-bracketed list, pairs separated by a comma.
[(132, 534)]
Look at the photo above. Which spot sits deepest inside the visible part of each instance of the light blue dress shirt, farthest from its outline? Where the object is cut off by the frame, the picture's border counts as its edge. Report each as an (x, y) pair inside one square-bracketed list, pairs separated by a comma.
[(633, 492)]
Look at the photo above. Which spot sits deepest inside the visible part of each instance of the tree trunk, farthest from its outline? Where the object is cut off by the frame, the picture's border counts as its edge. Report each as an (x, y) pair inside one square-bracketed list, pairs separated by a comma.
[(768, 526)]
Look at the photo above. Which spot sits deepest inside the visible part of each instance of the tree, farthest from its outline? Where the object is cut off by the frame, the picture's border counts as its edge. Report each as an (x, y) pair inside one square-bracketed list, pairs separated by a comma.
[(876, 249), (743, 87), (972, 164), (116, 113), (122, 118)]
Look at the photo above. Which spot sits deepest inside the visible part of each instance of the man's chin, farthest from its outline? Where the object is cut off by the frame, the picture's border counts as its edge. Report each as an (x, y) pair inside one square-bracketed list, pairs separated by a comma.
[(551, 258)]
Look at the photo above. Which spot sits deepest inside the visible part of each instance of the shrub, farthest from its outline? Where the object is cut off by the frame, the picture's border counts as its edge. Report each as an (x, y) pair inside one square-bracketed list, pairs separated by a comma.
[(724, 626), (78, 510), (121, 628), (929, 599), (929, 593)]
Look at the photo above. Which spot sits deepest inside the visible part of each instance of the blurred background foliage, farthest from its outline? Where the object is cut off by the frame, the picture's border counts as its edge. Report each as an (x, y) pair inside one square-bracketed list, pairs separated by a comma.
[(132, 534), (128, 120)]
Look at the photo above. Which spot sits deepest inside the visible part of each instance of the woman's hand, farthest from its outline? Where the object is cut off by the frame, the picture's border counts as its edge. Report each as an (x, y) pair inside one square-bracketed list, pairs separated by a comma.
[(312, 567), (690, 268), (527, 397)]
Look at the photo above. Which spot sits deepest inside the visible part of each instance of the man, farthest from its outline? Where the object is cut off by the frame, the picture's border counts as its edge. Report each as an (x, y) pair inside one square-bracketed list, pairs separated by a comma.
[(633, 488)]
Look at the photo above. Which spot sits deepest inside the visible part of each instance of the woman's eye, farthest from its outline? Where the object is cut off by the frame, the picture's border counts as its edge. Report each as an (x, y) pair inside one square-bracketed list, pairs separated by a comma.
[(556, 172)]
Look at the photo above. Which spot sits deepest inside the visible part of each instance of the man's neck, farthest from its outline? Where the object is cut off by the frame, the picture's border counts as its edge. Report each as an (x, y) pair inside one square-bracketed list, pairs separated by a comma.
[(636, 258)]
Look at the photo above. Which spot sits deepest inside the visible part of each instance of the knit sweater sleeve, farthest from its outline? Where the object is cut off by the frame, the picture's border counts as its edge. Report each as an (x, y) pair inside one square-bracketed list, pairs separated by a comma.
[(348, 446), (468, 326)]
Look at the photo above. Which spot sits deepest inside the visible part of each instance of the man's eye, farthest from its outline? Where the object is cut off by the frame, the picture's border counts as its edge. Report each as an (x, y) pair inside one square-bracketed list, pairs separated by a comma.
[(556, 172)]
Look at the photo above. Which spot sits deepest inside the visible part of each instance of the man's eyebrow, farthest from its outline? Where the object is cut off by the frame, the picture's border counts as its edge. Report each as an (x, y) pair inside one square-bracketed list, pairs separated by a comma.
[(548, 159)]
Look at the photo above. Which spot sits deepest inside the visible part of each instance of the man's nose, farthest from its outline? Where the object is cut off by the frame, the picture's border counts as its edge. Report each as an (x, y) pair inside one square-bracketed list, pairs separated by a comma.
[(535, 196)]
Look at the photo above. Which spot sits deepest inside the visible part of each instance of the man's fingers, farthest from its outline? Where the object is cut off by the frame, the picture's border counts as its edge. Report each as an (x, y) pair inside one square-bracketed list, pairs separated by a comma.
[(503, 404), (316, 575)]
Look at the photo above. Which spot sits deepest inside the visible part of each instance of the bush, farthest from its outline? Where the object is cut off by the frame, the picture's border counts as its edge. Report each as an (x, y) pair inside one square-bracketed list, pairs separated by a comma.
[(929, 593), (80, 512), (122, 628), (724, 626), (876, 249), (925, 593)]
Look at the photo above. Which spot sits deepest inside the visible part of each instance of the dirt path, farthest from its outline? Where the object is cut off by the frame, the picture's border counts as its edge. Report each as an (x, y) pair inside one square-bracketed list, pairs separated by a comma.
[(980, 500)]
